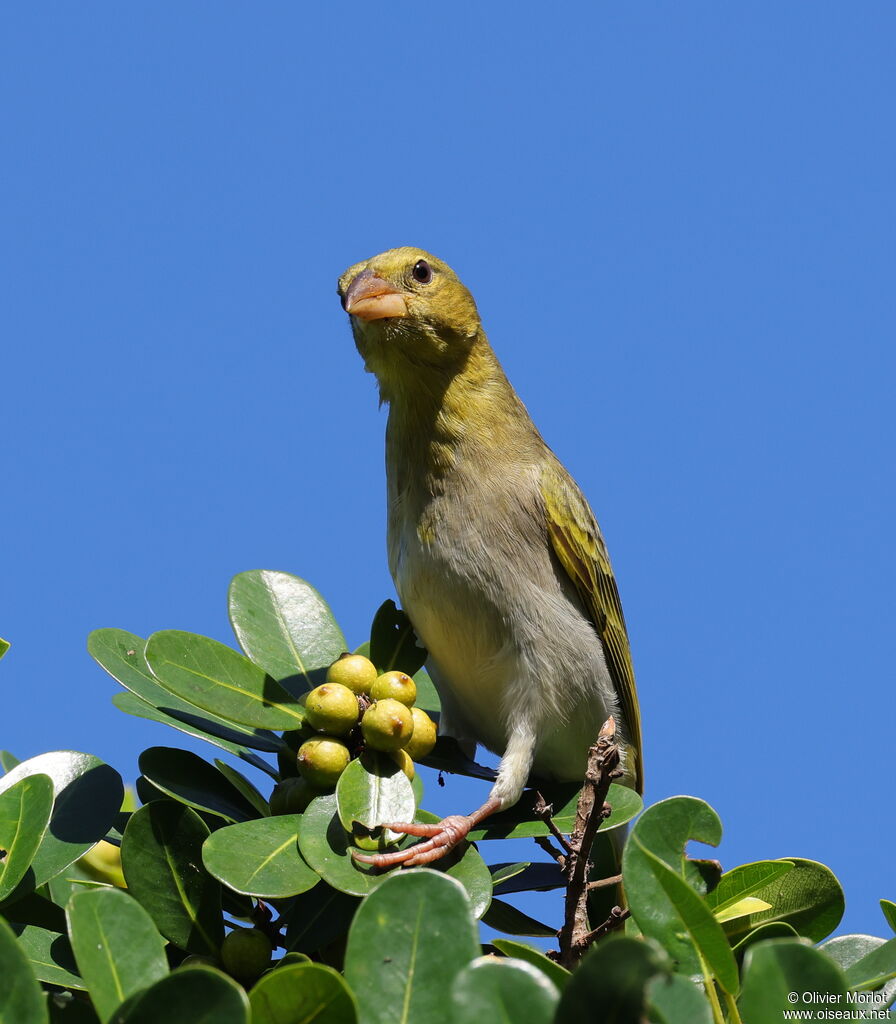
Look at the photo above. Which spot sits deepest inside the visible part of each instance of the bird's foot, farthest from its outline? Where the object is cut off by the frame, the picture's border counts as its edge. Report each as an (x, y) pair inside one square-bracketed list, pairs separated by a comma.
[(440, 838)]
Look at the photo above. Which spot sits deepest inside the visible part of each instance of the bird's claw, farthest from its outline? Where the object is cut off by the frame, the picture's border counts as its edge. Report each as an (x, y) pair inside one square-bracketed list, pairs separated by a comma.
[(440, 839)]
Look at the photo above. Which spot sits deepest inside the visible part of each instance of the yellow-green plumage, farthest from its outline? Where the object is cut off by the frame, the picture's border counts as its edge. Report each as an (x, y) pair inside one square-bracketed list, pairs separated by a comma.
[(495, 553)]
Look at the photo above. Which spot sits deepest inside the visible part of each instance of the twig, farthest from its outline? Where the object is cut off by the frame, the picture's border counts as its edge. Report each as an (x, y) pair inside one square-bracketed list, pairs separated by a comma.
[(604, 882), (551, 850), (544, 810), (616, 918), (592, 809)]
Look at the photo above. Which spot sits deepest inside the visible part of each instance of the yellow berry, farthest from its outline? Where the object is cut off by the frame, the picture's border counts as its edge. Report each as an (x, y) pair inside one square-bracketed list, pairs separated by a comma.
[(424, 736), (321, 761), (387, 725), (395, 685), (354, 671), (332, 708)]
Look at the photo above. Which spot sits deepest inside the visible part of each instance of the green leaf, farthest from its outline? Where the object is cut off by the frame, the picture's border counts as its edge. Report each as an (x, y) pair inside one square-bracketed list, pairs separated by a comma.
[(502, 873), (4, 646), (260, 858), (674, 999), (285, 627), (867, 960), (199, 995), (504, 917), (161, 856), (393, 643), (35, 909), (318, 917), (50, 955), (521, 821), (372, 791), (774, 930), (889, 909), (520, 951), (808, 898), (664, 905), (21, 998), (8, 761), (117, 947), (132, 705), (25, 809), (778, 974), (744, 881), (122, 655), (613, 975), (539, 877), (244, 787), (302, 994), (501, 990), (189, 779), (406, 946), (427, 695), (217, 678), (87, 796), (325, 845)]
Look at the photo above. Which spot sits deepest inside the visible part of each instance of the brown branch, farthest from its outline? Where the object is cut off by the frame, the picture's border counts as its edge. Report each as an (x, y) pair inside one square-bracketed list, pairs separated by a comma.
[(551, 850), (592, 809), (604, 882), (617, 917), (544, 810)]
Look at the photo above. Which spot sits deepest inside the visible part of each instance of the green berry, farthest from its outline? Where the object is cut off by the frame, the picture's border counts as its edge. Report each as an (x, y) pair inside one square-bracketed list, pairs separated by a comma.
[(395, 686), (354, 671), (245, 953), (404, 762), (387, 725), (333, 709), (424, 737), (321, 761), (292, 796)]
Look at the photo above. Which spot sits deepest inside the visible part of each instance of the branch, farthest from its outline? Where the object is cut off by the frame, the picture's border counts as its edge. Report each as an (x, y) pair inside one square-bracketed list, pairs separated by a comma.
[(592, 810)]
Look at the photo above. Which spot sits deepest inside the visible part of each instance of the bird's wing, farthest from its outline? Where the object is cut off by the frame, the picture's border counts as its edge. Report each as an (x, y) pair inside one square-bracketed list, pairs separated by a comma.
[(578, 544)]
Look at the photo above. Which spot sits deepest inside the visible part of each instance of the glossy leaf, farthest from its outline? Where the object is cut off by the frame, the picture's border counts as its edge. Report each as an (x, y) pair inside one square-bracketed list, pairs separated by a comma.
[(867, 960), (25, 809), (407, 944), (132, 705), (674, 999), (427, 695), (8, 761), (520, 951), (50, 955), (318, 917), (665, 907), (521, 821), (189, 779), (889, 910), (117, 947), (372, 791), (161, 856), (497, 989), (613, 975), (285, 627), (393, 643), (4, 646), (504, 917), (217, 678), (774, 930), (778, 974), (539, 877), (745, 881), (244, 787), (260, 858), (200, 995), (808, 898), (325, 845), (87, 796), (123, 656), (303, 994), (21, 998), (35, 909)]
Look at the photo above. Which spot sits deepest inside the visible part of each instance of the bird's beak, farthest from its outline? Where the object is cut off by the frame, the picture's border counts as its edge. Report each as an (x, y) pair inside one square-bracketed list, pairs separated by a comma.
[(371, 298)]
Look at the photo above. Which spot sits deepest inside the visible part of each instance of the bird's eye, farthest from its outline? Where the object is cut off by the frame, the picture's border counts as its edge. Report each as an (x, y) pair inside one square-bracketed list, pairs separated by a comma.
[(422, 272)]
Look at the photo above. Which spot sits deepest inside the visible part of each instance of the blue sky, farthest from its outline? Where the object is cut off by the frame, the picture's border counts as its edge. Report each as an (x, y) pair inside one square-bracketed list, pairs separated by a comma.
[(678, 222)]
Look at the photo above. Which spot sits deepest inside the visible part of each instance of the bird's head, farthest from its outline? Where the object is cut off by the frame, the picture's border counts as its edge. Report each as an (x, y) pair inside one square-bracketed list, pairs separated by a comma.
[(410, 314)]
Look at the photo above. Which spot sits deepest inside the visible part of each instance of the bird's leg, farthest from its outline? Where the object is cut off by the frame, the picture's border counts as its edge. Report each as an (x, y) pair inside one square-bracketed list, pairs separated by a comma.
[(446, 834), (440, 838)]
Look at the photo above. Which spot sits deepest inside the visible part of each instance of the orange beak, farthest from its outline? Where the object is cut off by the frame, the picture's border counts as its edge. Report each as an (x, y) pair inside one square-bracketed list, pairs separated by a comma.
[(371, 298)]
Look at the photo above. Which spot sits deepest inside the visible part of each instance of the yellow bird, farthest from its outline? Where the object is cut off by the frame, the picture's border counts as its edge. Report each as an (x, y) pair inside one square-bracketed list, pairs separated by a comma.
[(495, 553)]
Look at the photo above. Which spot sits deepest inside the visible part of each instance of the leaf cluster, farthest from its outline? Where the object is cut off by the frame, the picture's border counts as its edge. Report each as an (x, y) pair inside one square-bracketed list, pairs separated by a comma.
[(121, 913)]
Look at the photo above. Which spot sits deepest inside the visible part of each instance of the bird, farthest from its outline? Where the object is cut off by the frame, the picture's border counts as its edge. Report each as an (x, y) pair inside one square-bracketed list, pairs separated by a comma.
[(496, 556)]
